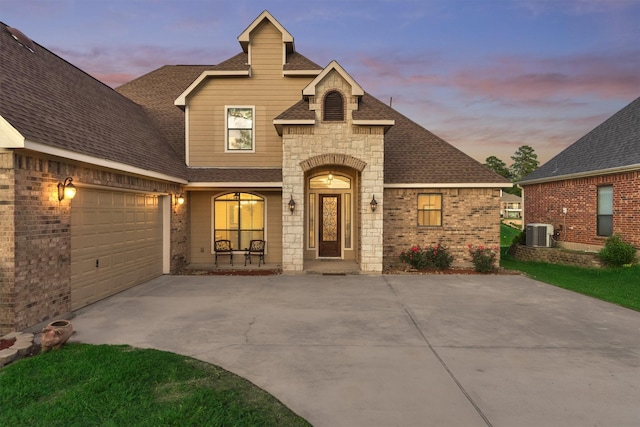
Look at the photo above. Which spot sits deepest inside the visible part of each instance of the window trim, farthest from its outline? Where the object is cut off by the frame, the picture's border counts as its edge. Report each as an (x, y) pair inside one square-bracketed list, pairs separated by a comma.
[(239, 200), (226, 129), (599, 215), (419, 210)]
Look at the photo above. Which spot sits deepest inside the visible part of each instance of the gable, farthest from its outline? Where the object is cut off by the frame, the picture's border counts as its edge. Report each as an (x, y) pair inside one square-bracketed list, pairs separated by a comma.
[(265, 17), (333, 68)]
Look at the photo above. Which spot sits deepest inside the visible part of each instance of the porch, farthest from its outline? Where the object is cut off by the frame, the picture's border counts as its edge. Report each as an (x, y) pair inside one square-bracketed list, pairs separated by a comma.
[(317, 266)]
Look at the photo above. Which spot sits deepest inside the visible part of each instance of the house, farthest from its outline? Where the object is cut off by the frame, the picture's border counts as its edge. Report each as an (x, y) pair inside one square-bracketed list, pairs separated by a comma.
[(265, 145), (591, 190), (510, 206)]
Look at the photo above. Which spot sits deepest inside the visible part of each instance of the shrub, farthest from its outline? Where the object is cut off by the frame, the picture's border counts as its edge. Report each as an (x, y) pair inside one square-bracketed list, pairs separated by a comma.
[(520, 239), (483, 258), (617, 252), (432, 258)]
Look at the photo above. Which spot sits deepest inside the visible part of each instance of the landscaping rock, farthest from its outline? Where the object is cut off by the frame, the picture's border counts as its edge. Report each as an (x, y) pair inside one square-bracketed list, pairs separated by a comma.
[(7, 356)]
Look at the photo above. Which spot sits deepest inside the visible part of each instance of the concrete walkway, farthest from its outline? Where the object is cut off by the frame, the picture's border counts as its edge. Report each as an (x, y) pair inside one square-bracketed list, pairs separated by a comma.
[(395, 350)]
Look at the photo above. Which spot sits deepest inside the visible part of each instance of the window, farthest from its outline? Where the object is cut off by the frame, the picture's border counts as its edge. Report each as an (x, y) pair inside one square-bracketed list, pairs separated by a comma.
[(333, 110), (240, 129), (312, 220), (605, 211), (430, 210), (239, 217), (330, 181), (347, 221)]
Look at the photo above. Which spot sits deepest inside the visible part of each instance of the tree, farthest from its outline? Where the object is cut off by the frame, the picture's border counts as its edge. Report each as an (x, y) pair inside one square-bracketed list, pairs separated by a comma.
[(498, 166), (525, 161)]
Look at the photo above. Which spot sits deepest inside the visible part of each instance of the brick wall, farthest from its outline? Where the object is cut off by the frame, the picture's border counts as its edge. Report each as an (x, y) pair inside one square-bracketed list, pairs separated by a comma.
[(471, 216), (35, 255), (544, 202), (7, 241)]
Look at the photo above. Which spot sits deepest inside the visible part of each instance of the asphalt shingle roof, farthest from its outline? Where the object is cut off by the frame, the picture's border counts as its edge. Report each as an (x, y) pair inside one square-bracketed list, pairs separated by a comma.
[(50, 101), (235, 175), (613, 144), (295, 61), (412, 154), (156, 92)]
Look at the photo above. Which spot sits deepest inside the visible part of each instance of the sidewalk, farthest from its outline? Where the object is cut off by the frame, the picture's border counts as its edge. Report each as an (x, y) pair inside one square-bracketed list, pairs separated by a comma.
[(395, 350)]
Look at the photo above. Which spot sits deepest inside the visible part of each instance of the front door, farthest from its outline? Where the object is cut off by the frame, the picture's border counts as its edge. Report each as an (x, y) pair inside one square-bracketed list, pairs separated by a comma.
[(329, 245)]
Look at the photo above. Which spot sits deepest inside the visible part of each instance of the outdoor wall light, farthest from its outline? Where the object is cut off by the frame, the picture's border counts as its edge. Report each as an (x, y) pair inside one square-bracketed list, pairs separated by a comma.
[(292, 204), (178, 199), (373, 204), (66, 189)]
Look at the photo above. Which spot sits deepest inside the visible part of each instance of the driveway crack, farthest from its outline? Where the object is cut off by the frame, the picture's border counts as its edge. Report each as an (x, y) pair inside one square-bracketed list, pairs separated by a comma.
[(246, 333), (435, 353)]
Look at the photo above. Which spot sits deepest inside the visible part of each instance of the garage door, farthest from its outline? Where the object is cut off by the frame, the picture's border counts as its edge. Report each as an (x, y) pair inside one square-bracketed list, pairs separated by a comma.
[(116, 243)]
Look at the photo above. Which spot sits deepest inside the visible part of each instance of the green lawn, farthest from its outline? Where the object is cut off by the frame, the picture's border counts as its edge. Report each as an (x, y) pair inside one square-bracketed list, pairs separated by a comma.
[(84, 385), (507, 234), (616, 285)]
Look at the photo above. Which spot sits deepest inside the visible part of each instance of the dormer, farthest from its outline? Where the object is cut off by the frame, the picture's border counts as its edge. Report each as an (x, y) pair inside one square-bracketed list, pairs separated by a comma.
[(333, 97)]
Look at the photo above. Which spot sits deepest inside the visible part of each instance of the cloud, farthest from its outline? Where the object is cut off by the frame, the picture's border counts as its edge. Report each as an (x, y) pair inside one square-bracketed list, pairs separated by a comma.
[(527, 79), (574, 7)]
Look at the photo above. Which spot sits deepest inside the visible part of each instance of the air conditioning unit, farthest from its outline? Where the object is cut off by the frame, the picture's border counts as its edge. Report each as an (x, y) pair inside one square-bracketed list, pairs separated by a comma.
[(539, 235)]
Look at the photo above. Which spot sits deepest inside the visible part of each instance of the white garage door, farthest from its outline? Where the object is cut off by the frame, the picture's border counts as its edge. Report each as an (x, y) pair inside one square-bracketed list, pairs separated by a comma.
[(116, 243)]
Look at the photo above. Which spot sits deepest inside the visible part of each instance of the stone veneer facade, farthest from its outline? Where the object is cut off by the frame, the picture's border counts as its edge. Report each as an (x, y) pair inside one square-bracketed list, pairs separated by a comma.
[(332, 143), (35, 283), (470, 216)]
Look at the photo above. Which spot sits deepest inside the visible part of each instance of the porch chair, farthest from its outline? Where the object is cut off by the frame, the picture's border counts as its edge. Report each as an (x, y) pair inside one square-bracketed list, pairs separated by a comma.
[(256, 247), (223, 247)]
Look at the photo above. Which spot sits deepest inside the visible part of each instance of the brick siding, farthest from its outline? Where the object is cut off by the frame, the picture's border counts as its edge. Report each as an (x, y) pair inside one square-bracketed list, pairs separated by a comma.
[(544, 202), (470, 216), (35, 261)]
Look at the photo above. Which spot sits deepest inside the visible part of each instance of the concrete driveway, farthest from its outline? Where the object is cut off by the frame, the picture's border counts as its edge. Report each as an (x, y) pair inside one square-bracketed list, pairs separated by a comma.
[(395, 350)]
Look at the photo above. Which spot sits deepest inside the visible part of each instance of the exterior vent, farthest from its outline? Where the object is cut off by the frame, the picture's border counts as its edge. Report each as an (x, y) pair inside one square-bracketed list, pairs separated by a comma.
[(539, 235), (333, 107)]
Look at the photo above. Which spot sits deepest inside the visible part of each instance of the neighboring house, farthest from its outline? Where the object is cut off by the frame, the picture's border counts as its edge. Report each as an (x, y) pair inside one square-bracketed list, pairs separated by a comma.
[(265, 145), (510, 206), (591, 190)]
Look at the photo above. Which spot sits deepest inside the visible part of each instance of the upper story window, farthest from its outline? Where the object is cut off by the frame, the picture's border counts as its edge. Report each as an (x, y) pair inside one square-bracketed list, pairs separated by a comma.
[(240, 129), (605, 210), (430, 210), (333, 110)]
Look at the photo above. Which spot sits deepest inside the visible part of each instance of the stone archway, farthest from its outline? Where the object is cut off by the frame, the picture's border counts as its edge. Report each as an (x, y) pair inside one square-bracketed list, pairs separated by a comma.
[(332, 159)]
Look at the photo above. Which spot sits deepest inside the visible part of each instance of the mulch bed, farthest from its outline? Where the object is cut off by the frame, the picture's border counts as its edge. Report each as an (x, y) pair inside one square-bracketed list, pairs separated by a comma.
[(406, 270), (6, 343)]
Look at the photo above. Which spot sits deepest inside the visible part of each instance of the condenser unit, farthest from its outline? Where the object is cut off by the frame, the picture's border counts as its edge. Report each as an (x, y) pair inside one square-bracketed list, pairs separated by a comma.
[(539, 235)]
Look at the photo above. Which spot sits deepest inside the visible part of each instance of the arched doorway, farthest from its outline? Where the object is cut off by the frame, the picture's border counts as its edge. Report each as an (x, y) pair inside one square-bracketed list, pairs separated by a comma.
[(330, 220)]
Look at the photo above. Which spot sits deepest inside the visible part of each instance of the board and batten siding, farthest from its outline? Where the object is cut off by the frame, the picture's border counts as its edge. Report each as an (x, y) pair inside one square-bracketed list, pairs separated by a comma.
[(266, 89), (201, 211)]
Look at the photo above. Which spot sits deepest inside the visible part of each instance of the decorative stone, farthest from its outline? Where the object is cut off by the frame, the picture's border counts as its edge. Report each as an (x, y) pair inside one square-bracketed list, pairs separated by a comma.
[(8, 355), (22, 347), (11, 335)]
